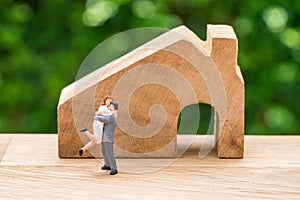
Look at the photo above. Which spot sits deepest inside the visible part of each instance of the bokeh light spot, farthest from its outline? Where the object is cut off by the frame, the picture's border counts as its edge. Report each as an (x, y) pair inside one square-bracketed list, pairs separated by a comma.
[(243, 26), (290, 37), (144, 9), (276, 18), (22, 12), (286, 73), (279, 117), (10, 37), (98, 12), (121, 42)]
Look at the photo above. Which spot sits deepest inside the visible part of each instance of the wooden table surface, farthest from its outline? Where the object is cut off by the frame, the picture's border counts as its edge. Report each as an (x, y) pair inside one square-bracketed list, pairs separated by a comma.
[(31, 169)]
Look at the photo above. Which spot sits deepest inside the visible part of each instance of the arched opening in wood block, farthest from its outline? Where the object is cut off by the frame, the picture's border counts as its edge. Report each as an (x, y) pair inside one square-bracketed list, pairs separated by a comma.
[(196, 119), (196, 114)]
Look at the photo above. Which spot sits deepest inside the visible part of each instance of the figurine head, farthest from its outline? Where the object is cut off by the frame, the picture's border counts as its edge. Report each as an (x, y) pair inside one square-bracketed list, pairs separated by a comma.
[(106, 100)]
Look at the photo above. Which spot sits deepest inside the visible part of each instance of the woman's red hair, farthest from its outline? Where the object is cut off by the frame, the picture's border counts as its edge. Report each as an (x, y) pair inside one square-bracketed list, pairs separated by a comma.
[(104, 99)]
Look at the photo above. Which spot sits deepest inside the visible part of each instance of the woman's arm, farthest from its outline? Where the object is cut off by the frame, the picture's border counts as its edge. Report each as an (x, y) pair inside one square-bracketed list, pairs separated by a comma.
[(98, 113)]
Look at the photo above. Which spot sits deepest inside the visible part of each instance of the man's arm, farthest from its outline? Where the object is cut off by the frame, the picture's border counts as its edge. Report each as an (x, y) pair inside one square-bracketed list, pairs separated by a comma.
[(104, 119)]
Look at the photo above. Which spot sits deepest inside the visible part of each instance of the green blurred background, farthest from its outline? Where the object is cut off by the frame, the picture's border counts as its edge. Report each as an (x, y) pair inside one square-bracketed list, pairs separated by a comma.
[(44, 42)]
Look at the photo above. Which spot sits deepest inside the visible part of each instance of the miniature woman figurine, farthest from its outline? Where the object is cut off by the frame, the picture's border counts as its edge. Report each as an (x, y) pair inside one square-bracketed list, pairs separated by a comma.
[(97, 126)]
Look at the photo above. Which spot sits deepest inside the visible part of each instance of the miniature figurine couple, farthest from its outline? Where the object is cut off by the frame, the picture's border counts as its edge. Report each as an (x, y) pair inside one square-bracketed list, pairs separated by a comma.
[(104, 126)]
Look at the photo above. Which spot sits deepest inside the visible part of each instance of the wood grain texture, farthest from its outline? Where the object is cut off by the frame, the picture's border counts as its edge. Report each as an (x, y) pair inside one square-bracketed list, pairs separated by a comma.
[(152, 85), (4, 142), (31, 169)]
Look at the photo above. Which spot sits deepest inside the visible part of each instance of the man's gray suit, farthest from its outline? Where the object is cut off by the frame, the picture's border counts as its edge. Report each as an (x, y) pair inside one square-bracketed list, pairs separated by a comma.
[(108, 139)]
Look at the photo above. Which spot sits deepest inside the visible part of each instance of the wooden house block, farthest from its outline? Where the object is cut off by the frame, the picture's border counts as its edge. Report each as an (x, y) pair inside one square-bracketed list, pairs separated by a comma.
[(152, 85)]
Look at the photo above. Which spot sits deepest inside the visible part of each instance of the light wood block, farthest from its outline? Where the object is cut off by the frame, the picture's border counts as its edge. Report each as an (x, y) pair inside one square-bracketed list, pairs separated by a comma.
[(152, 85)]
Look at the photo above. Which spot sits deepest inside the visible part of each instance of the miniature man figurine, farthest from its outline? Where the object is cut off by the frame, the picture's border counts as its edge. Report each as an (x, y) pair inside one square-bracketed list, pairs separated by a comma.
[(108, 140)]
